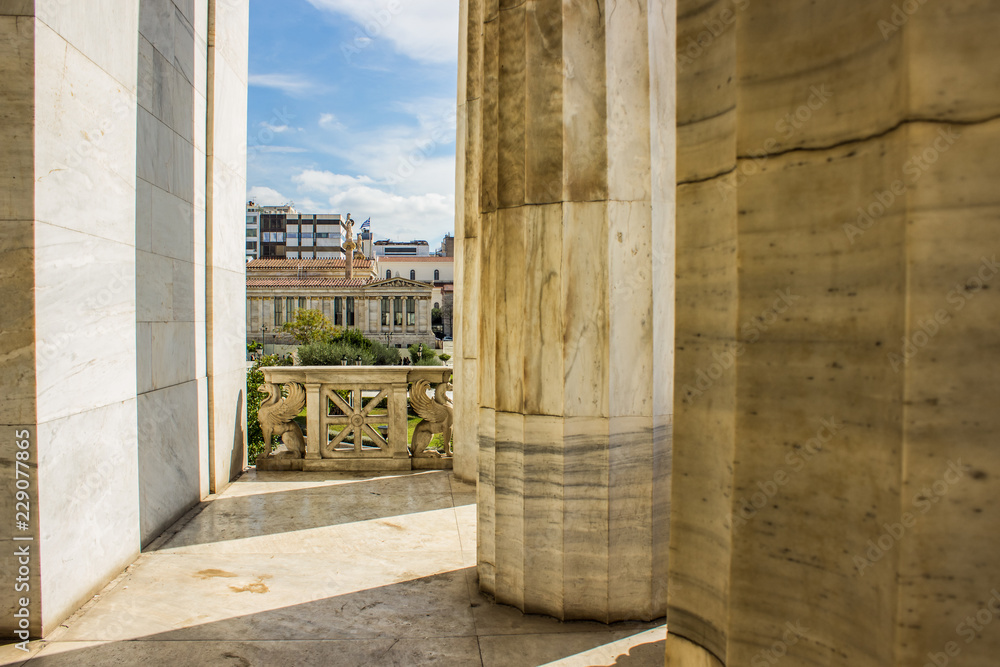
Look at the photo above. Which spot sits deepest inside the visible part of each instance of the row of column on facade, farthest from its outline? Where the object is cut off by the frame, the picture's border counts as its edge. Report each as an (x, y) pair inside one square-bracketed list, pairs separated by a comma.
[(372, 315)]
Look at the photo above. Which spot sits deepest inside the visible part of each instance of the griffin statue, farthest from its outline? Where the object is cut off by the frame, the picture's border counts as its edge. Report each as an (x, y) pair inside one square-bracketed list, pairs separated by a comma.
[(437, 415), (275, 416)]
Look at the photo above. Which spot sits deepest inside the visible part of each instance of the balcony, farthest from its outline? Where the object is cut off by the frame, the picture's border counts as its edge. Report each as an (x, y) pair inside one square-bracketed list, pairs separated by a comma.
[(355, 417)]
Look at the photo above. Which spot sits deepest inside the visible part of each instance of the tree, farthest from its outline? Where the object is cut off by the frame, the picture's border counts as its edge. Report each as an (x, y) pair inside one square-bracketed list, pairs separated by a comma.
[(309, 326)]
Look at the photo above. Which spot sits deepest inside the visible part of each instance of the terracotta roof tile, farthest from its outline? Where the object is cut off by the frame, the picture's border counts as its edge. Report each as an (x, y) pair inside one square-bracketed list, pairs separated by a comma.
[(306, 263), (307, 282)]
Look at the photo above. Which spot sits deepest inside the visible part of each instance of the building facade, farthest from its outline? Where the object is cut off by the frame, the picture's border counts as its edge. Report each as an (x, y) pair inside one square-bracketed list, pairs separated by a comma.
[(282, 232), (401, 248), (396, 311)]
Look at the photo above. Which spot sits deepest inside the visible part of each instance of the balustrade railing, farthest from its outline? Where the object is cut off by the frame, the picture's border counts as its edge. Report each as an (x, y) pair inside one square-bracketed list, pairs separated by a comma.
[(355, 417)]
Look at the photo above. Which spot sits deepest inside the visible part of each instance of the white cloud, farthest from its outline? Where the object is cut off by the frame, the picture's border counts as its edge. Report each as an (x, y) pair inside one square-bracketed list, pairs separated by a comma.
[(277, 129), (277, 149), (311, 180), (427, 216), (328, 121), (293, 84), (425, 30), (265, 196)]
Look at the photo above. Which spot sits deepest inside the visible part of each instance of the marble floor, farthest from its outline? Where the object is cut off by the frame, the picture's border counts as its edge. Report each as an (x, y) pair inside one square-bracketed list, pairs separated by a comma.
[(303, 569)]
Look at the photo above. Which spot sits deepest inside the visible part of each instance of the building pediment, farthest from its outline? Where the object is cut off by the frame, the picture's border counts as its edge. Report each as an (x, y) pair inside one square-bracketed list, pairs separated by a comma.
[(398, 283)]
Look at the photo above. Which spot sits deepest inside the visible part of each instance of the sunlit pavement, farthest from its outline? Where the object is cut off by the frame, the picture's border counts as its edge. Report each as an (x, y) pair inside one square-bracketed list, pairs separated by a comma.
[(325, 569)]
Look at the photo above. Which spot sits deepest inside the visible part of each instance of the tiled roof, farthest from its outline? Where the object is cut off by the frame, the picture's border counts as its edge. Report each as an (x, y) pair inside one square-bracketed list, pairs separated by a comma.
[(306, 263), (404, 258), (307, 282)]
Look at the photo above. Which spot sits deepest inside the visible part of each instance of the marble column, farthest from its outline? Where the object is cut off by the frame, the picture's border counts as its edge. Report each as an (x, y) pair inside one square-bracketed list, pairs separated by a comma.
[(837, 297), (564, 292)]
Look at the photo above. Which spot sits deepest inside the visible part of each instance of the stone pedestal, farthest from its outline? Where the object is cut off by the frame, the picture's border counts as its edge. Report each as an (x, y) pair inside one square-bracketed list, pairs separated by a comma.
[(562, 302)]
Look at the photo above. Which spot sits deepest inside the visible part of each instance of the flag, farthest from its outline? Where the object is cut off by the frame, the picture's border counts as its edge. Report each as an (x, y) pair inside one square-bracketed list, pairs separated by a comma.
[(367, 224)]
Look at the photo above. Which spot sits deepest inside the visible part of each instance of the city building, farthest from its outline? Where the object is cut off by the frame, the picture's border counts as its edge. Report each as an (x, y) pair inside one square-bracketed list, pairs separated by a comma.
[(437, 270), (283, 232), (395, 310), (402, 249)]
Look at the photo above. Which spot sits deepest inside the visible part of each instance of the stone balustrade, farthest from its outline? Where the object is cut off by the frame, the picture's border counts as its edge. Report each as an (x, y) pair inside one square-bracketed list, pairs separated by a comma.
[(356, 417)]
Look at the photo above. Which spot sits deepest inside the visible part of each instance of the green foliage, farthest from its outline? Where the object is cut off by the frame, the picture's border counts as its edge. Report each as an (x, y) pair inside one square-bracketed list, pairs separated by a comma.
[(351, 343), (255, 378), (436, 316), (329, 353), (309, 326), (253, 347), (429, 357), (444, 357)]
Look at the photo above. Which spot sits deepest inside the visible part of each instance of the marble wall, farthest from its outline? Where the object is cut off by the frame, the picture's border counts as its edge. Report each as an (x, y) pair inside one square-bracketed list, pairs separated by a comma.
[(104, 353), (170, 259), (831, 456), (562, 301)]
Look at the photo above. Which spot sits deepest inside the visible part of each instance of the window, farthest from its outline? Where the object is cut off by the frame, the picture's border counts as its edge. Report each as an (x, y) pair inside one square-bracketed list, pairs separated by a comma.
[(302, 302), (437, 305), (411, 312), (388, 274), (437, 274), (290, 308), (413, 274), (398, 311), (385, 311), (277, 311), (251, 245), (338, 314), (251, 233), (322, 235), (350, 311)]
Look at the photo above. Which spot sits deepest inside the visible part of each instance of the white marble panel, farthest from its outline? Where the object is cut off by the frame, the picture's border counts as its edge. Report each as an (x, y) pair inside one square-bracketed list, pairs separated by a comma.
[(18, 8), (143, 215), (155, 146), (232, 34), (154, 287), (84, 321), (17, 332), (84, 143), (156, 23), (184, 291), (204, 481), (228, 218), (145, 74), (184, 46), (104, 30), (228, 325), (88, 510), (227, 398), (144, 357), (181, 177), (172, 233), (173, 353), (168, 456), (229, 117)]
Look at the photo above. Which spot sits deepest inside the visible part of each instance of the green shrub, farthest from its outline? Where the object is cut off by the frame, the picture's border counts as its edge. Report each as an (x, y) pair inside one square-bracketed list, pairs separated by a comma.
[(444, 357), (255, 378), (429, 357), (332, 354)]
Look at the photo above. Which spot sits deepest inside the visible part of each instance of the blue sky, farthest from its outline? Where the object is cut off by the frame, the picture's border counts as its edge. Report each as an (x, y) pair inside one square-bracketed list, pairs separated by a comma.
[(352, 110)]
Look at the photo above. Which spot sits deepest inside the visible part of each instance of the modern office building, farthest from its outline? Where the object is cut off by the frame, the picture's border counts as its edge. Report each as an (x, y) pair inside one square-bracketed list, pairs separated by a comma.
[(281, 232), (402, 249)]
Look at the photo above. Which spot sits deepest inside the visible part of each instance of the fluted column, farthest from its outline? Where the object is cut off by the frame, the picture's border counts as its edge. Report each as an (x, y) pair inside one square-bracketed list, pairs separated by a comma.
[(564, 302)]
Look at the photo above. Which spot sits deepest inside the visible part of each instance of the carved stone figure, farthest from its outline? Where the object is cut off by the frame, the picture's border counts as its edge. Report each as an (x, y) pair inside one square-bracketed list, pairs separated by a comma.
[(438, 417), (275, 416)]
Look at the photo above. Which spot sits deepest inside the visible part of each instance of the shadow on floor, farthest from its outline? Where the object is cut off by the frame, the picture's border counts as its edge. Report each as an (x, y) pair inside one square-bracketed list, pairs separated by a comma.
[(424, 621), (234, 517)]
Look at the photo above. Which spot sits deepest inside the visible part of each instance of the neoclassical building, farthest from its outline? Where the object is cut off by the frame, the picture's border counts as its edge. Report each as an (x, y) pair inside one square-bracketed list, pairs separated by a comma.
[(396, 310)]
